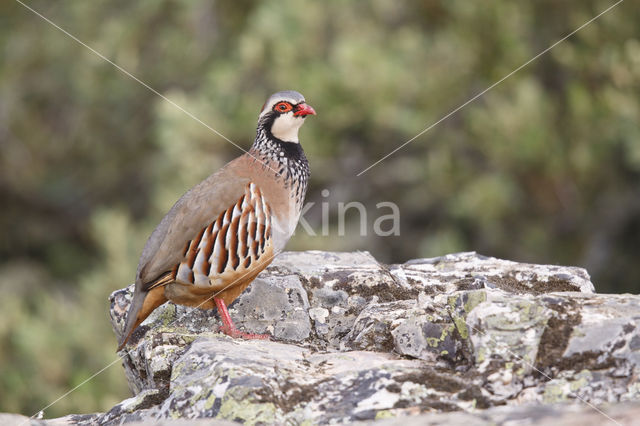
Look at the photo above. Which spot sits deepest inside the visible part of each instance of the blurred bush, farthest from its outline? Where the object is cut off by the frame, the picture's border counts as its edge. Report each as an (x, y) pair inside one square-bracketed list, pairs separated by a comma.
[(544, 168)]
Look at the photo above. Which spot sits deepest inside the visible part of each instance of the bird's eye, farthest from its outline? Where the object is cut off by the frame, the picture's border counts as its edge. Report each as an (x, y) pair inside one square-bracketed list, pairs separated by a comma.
[(283, 107)]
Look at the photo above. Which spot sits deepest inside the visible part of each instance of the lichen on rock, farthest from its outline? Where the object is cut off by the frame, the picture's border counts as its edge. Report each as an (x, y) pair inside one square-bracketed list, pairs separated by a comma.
[(356, 340)]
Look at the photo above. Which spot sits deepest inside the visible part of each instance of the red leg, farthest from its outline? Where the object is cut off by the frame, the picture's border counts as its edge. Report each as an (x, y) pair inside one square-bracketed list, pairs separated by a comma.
[(227, 324)]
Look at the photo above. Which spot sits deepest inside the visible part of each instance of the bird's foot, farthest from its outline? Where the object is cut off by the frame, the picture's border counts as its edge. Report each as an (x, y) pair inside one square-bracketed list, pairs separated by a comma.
[(235, 333), (227, 324)]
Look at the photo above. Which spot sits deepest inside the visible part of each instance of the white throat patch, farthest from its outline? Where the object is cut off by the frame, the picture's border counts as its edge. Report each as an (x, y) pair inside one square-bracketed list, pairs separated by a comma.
[(285, 127)]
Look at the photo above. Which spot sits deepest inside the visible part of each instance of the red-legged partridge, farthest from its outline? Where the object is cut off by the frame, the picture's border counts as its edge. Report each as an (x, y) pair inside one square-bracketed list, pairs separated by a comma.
[(218, 237)]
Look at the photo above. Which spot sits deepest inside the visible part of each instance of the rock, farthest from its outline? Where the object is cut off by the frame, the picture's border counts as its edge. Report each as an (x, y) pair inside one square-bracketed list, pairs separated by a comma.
[(551, 415), (356, 340), (277, 305)]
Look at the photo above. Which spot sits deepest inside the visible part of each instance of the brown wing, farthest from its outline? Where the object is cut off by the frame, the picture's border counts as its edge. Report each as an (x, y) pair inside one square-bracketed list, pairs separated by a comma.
[(229, 248), (188, 216)]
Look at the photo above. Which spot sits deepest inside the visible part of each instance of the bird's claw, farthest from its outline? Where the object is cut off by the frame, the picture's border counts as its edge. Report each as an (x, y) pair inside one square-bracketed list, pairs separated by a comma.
[(235, 333)]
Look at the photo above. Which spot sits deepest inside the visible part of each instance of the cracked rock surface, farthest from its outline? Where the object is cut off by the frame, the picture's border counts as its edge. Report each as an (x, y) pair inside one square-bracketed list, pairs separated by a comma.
[(357, 340)]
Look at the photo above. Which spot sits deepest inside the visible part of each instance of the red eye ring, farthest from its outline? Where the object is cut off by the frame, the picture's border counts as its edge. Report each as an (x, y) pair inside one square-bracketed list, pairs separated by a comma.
[(282, 107)]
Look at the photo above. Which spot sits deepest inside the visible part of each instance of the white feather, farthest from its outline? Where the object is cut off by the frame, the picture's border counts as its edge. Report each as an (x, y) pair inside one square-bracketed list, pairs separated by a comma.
[(285, 127)]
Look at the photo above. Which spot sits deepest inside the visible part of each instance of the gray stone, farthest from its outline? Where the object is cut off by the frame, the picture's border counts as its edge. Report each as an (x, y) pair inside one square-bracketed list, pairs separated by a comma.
[(466, 338), (539, 415), (275, 305), (467, 271)]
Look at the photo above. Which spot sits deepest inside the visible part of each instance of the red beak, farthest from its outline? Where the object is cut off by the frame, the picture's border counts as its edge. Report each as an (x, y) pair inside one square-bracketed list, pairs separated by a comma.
[(304, 110)]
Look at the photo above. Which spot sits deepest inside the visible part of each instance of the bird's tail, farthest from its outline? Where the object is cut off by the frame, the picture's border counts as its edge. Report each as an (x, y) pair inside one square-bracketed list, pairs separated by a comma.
[(142, 304)]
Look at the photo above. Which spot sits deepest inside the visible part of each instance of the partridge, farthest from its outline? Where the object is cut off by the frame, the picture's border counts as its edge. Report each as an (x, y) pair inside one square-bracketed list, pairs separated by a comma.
[(224, 231)]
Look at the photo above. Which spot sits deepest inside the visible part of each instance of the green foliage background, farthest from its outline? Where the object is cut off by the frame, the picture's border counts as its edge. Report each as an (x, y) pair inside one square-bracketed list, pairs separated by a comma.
[(544, 168)]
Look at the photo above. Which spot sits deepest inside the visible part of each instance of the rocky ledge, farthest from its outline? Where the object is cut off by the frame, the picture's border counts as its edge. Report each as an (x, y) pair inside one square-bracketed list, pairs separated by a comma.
[(356, 340)]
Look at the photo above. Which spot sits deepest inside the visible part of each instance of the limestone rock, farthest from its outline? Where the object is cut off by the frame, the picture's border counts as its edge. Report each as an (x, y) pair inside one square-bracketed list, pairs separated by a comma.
[(356, 340)]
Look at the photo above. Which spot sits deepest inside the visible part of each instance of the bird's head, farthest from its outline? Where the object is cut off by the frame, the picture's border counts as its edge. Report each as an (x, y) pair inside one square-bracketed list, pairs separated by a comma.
[(283, 114)]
